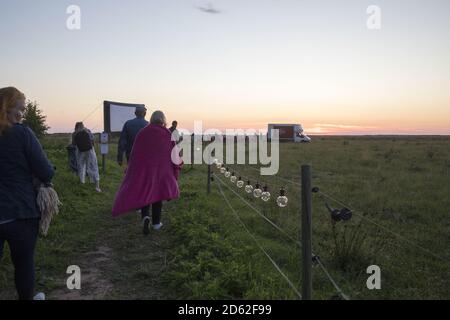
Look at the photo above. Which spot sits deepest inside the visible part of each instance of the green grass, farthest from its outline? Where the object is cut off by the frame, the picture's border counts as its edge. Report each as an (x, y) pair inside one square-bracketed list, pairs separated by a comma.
[(204, 253)]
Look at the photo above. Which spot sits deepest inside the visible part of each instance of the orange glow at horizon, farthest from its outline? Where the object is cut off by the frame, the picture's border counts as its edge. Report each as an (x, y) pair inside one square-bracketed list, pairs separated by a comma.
[(388, 112)]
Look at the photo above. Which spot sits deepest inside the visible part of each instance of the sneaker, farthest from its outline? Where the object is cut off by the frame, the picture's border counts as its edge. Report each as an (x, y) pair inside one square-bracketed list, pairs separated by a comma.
[(39, 296), (146, 222), (157, 226)]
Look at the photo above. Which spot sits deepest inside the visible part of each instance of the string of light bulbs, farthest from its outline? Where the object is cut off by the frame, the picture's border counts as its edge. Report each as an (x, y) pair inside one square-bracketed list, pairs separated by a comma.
[(258, 191), (272, 181)]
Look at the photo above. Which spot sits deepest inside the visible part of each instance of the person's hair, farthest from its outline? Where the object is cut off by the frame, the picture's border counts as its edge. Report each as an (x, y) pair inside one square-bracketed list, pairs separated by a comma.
[(9, 97), (158, 117), (79, 126), (174, 123), (140, 112)]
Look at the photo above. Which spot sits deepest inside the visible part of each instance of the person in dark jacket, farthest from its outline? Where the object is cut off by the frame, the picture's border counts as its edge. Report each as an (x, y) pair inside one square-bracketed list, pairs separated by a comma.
[(21, 159), (129, 132), (83, 139)]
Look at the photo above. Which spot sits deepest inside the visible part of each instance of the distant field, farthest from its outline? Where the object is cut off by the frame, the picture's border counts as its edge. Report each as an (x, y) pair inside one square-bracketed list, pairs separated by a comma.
[(401, 183)]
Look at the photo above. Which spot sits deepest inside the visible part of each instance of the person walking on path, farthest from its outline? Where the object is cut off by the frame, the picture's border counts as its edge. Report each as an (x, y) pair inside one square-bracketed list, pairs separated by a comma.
[(21, 159), (129, 132), (152, 174), (86, 157)]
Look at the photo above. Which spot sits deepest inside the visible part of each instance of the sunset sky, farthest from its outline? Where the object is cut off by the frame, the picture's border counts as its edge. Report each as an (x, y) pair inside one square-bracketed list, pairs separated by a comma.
[(313, 62)]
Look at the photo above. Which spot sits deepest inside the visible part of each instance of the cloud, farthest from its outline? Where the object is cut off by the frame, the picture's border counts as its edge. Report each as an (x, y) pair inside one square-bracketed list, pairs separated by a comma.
[(331, 128), (342, 126)]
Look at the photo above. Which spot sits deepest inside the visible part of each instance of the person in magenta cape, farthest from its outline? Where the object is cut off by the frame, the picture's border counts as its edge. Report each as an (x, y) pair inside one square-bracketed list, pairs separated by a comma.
[(152, 173)]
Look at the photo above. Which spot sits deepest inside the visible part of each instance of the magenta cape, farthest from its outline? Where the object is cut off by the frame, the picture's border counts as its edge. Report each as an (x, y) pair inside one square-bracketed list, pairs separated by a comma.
[(151, 175)]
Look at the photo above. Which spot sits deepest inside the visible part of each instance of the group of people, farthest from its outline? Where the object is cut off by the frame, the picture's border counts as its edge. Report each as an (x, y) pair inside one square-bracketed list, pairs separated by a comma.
[(151, 177), (83, 144)]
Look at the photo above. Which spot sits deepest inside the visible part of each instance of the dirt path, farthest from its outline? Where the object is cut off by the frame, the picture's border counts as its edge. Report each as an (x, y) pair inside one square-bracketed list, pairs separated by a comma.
[(94, 285), (125, 264)]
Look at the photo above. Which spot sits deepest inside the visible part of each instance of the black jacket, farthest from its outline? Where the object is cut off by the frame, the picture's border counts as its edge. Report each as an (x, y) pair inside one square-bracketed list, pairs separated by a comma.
[(21, 158), (129, 132)]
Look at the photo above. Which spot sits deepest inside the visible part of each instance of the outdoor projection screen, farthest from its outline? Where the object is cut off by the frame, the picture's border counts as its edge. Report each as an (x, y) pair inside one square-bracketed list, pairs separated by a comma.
[(115, 114)]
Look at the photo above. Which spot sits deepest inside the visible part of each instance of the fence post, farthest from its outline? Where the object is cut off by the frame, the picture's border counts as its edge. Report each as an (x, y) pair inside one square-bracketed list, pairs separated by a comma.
[(192, 149), (306, 230), (208, 185)]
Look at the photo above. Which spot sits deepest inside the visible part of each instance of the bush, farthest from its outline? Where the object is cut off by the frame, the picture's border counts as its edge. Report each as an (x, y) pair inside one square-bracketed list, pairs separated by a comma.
[(35, 119), (352, 248)]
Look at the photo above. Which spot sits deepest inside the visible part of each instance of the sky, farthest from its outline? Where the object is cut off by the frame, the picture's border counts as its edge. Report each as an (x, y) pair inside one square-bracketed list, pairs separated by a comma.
[(254, 62)]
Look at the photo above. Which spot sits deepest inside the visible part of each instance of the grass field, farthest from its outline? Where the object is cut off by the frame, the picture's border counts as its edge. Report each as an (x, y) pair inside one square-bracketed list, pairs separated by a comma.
[(401, 183)]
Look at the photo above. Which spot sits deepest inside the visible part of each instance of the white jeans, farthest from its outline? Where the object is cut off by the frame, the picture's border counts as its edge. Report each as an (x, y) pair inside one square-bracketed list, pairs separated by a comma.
[(87, 162)]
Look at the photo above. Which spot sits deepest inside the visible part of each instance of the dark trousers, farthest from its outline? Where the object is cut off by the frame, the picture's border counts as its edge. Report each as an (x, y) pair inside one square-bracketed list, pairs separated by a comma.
[(21, 236), (156, 212)]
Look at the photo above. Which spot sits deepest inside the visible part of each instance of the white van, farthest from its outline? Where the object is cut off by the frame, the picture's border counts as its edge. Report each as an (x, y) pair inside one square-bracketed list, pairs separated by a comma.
[(288, 132)]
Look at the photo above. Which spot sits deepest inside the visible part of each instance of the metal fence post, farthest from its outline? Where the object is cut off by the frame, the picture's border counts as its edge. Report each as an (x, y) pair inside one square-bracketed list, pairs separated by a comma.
[(306, 235), (192, 149)]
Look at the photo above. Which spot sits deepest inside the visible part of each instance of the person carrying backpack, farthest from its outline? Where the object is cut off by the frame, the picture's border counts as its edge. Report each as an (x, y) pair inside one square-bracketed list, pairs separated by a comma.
[(83, 139)]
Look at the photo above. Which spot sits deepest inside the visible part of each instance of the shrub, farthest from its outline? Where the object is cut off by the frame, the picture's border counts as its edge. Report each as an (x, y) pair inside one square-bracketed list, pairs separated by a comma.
[(35, 119)]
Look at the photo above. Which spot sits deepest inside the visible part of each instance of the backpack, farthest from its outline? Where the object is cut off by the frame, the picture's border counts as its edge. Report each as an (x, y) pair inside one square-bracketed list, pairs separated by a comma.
[(83, 141)]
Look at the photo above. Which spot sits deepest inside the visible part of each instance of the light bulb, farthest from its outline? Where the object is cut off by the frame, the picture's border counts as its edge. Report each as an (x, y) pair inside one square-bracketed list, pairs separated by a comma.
[(282, 200), (265, 196), (233, 178), (257, 193), (240, 183), (248, 187), (227, 173)]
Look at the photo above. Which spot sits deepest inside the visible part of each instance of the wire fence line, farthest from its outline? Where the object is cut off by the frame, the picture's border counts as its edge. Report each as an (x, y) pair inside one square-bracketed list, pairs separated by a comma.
[(398, 236), (264, 179), (92, 112), (285, 277), (259, 213), (277, 177), (315, 257), (285, 179), (362, 216), (330, 278)]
